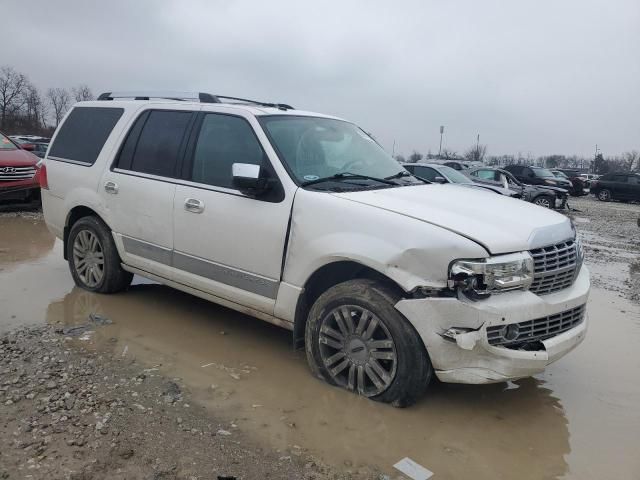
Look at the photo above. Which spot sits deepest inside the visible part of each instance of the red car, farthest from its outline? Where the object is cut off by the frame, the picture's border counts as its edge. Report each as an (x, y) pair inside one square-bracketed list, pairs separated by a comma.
[(19, 174)]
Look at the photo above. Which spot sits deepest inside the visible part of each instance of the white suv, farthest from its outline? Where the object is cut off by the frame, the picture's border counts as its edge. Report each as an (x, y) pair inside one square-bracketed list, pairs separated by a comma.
[(303, 220)]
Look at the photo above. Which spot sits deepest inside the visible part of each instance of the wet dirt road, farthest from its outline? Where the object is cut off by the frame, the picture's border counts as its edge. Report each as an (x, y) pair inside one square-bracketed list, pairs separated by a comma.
[(579, 420)]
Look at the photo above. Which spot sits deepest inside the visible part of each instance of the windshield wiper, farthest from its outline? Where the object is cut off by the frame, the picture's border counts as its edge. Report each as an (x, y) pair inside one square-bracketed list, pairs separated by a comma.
[(347, 176), (400, 174), (406, 173)]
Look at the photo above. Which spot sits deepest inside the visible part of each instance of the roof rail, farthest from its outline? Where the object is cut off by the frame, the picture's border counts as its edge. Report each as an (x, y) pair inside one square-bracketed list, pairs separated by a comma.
[(166, 95), (189, 97)]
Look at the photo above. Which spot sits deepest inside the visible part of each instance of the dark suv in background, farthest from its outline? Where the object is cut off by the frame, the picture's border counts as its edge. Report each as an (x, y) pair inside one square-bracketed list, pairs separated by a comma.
[(537, 176), (617, 186)]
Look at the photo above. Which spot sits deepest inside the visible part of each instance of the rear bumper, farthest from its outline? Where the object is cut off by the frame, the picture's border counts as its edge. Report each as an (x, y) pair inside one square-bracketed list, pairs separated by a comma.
[(470, 358)]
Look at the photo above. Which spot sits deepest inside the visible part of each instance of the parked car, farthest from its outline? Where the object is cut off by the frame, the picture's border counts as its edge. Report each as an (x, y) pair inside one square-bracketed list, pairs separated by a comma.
[(437, 173), (29, 138), (548, 197), (19, 179), (537, 176), (304, 221), (38, 148), (579, 185), (617, 186), (590, 176)]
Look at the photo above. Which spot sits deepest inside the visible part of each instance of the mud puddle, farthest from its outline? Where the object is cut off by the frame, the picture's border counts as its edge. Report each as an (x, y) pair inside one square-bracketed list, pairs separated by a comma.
[(580, 419)]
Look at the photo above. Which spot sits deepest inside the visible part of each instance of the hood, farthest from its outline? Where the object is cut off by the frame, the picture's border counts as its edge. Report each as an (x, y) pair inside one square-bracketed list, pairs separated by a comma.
[(17, 158), (500, 224)]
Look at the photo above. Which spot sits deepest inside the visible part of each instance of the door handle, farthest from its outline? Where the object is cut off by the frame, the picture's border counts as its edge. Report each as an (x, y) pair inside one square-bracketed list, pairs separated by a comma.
[(111, 187), (193, 205)]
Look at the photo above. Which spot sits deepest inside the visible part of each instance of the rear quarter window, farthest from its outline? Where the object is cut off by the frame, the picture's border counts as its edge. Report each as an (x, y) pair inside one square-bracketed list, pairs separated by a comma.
[(84, 133)]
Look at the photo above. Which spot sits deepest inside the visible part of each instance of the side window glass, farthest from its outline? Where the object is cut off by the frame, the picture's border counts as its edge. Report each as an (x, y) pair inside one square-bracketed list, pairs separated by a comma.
[(154, 143), (427, 173), (485, 174), (224, 140), (620, 178), (634, 180), (84, 133)]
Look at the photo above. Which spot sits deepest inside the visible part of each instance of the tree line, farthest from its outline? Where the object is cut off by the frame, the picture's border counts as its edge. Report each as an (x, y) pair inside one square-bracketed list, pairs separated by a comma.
[(625, 162), (25, 109)]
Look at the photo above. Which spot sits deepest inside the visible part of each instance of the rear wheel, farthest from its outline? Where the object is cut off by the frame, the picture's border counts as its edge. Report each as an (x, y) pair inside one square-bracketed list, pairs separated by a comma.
[(357, 340), (93, 259), (604, 195), (546, 201)]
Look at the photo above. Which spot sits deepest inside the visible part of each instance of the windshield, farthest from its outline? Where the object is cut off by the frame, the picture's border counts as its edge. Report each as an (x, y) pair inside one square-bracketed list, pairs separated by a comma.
[(316, 148), (6, 144), (542, 173), (453, 175)]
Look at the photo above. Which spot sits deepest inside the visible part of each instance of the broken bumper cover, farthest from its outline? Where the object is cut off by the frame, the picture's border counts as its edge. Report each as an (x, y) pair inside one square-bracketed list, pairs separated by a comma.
[(470, 358)]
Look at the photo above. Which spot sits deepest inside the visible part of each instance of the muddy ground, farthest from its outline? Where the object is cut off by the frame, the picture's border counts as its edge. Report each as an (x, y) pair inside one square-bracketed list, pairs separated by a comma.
[(157, 378)]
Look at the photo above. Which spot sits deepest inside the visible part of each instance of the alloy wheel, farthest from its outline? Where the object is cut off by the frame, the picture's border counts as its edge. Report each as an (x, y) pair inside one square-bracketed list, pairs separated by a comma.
[(604, 195), (358, 350), (88, 258), (543, 202)]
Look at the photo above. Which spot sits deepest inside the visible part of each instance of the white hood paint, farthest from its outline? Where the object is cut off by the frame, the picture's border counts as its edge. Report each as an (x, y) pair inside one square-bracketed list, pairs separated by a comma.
[(498, 223)]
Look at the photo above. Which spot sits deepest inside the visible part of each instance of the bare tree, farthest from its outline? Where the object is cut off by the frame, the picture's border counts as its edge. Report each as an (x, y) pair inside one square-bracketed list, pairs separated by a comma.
[(60, 101), (36, 108), (415, 157), (629, 159), (12, 93), (449, 154), (476, 153), (82, 93)]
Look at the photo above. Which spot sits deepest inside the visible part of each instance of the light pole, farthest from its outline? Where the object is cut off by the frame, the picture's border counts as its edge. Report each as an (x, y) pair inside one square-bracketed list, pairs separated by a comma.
[(441, 132)]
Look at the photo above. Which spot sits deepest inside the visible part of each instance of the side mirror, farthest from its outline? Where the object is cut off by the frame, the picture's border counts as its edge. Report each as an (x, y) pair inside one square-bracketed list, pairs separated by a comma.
[(247, 177), (28, 147), (440, 180)]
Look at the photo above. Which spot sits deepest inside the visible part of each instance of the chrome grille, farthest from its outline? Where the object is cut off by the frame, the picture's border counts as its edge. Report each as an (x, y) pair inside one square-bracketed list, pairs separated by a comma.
[(554, 267), (9, 174), (536, 330)]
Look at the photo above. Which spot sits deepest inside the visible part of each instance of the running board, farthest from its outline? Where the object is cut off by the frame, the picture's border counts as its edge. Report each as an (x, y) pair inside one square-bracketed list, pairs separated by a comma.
[(212, 298)]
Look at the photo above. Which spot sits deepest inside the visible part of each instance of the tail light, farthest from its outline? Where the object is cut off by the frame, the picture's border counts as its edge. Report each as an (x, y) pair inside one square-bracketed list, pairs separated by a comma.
[(42, 170)]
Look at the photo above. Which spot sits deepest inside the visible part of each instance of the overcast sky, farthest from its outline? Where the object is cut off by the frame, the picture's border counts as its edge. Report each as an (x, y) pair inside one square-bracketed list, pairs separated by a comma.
[(530, 76)]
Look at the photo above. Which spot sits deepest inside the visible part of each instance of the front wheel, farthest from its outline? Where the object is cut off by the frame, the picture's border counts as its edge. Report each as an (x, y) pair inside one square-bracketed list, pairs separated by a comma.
[(93, 259), (357, 340), (545, 201), (604, 195)]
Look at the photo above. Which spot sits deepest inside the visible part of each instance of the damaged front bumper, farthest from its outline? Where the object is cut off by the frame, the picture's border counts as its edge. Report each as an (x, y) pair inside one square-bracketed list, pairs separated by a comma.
[(468, 356)]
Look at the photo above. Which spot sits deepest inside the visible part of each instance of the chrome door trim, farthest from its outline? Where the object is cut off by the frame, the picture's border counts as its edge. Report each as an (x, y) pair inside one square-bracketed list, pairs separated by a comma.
[(250, 282)]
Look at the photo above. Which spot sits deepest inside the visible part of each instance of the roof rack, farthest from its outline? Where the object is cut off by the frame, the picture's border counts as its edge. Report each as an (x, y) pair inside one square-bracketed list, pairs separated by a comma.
[(189, 97)]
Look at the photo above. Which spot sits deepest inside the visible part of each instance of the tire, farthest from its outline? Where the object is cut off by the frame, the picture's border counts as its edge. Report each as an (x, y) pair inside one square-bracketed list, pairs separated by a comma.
[(604, 195), (385, 361), (546, 201), (91, 240)]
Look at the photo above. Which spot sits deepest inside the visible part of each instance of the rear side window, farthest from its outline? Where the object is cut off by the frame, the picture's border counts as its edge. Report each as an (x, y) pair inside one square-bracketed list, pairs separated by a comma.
[(620, 178), (427, 173), (84, 133), (224, 140), (155, 143)]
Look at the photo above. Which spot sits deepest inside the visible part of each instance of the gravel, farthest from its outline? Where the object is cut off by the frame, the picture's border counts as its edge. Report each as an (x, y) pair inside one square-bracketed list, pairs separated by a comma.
[(611, 237), (69, 413)]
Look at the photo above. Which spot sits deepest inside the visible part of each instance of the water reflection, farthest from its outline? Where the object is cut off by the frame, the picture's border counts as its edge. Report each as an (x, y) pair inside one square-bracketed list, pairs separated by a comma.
[(516, 430), (23, 239)]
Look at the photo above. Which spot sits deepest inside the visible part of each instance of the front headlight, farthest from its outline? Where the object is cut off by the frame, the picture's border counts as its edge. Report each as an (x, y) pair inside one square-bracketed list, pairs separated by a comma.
[(480, 278)]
